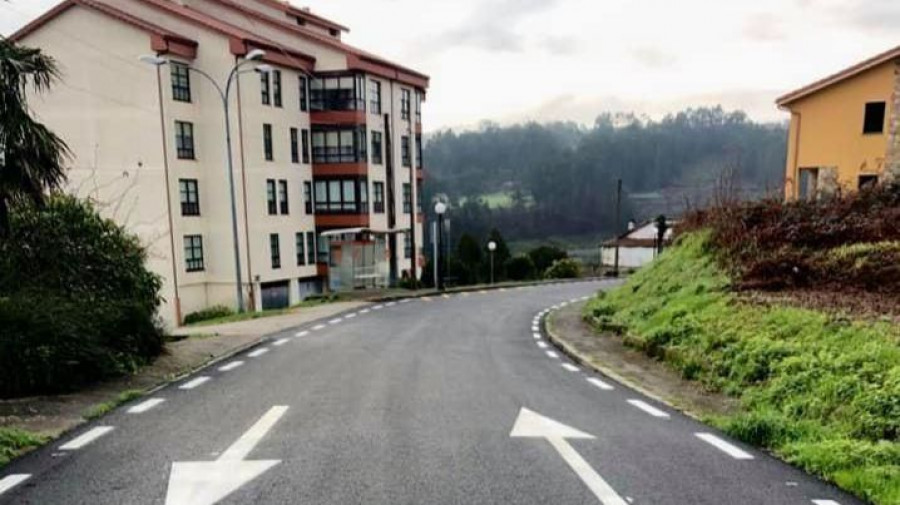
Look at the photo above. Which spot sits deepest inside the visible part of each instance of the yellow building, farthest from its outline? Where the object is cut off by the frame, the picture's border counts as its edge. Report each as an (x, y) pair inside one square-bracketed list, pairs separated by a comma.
[(844, 129)]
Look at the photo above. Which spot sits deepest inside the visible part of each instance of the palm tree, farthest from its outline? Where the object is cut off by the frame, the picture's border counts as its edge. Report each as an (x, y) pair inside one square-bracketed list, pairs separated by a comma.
[(31, 156)]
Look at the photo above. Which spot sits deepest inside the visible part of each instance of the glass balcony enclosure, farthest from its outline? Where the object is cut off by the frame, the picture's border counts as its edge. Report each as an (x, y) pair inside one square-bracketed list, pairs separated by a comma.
[(339, 144), (338, 92)]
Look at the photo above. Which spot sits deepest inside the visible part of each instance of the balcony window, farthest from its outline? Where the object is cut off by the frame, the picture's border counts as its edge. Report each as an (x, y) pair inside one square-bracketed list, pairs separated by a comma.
[(181, 82), (190, 197), (338, 92), (339, 145), (341, 196)]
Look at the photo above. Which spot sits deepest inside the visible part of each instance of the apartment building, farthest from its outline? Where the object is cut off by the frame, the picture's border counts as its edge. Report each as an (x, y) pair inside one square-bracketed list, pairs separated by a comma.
[(845, 129), (325, 145)]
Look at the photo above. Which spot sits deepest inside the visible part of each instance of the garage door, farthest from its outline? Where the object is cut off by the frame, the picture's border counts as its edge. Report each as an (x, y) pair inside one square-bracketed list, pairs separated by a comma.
[(276, 295)]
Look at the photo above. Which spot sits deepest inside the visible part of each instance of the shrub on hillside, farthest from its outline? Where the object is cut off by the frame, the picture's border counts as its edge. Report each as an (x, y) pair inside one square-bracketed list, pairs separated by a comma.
[(563, 269), (544, 256), (520, 268), (214, 312), (76, 302)]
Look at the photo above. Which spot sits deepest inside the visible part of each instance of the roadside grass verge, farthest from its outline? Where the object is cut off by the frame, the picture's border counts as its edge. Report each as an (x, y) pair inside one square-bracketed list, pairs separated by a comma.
[(232, 317), (818, 390), (106, 407), (15, 442)]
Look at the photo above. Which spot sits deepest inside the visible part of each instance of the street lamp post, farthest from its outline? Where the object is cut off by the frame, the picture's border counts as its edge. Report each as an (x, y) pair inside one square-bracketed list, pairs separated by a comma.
[(440, 208), (492, 246), (224, 94)]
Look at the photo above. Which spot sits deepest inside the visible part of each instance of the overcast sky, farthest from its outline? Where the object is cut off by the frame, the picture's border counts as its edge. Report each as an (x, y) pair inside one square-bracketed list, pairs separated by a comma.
[(513, 60)]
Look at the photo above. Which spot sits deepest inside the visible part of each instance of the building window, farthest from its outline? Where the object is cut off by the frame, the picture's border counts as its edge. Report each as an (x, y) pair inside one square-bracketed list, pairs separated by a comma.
[(283, 196), (184, 140), (181, 82), (275, 250), (418, 151), (271, 198), (304, 94), (341, 196), (378, 197), (300, 242), (310, 247), (338, 145), (375, 97), (874, 120), (404, 151), (404, 104), (338, 92), (307, 197), (190, 197), (376, 148), (419, 100), (267, 142), (868, 181), (407, 198), (264, 88), (276, 87), (193, 253), (809, 182), (407, 246), (305, 146), (295, 146)]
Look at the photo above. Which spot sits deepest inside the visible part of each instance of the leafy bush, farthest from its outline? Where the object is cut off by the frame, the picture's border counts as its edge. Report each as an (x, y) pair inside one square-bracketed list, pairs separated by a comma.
[(213, 312), (76, 302), (819, 390), (563, 269), (544, 256), (520, 268)]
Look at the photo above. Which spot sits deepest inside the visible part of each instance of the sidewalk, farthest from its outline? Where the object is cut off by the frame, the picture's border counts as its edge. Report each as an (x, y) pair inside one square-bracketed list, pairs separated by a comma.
[(607, 354), (54, 415)]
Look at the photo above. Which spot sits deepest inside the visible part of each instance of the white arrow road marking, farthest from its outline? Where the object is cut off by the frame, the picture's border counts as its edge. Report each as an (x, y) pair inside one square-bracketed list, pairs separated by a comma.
[(191, 384), (650, 409), (729, 449), (533, 425), (230, 366), (142, 407), (85, 438), (11, 481), (600, 384), (207, 482)]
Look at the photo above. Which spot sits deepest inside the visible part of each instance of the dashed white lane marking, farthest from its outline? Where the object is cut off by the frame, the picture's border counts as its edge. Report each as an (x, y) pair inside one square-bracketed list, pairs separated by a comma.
[(378, 307), (650, 409), (281, 341), (426, 298), (816, 502), (482, 291), (301, 334), (364, 311), (142, 407), (11, 481), (570, 367), (600, 384), (191, 384), (259, 352), (542, 345), (336, 320), (552, 354), (231, 366), (728, 448), (405, 300), (318, 327), (445, 296), (390, 304), (536, 335), (85, 438), (535, 327), (350, 316)]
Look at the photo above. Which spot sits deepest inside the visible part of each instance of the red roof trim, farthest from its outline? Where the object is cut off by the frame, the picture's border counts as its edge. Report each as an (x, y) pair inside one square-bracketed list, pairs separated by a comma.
[(161, 40), (885, 57)]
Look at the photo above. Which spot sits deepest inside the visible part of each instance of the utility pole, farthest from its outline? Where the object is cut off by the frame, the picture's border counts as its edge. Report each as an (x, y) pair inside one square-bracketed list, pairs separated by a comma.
[(616, 224)]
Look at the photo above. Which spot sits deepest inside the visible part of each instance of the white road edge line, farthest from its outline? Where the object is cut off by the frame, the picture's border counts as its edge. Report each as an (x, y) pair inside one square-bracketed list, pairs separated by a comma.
[(542, 345), (231, 366), (301, 334), (552, 354), (281, 341), (350, 316), (259, 352), (13, 480), (318, 327), (378, 307), (536, 335), (600, 384), (570, 367), (191, 384), (816, 502), (650, 409), (364, 311), (535, 328), (85, 438), (390, 304), (729, 449), (336, 320), (144, 406)]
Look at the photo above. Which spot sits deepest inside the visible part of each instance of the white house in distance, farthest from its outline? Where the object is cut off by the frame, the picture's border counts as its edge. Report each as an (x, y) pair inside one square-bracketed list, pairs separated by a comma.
[(637, 247)]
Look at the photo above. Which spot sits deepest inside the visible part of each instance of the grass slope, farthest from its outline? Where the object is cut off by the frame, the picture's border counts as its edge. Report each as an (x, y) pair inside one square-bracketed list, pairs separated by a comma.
[(14, 442), (820, 391)]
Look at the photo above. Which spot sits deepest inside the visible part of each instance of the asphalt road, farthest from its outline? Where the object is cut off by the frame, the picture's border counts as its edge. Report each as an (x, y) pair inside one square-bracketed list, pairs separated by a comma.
[(412, 403)]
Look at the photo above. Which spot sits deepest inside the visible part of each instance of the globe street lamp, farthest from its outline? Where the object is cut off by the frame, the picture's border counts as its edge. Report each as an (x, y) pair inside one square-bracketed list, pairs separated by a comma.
[(440, 208), (224, 94), (492, 246)]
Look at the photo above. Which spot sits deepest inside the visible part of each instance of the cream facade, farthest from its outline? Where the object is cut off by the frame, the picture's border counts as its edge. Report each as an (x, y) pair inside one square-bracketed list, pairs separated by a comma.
[(149, 143)]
